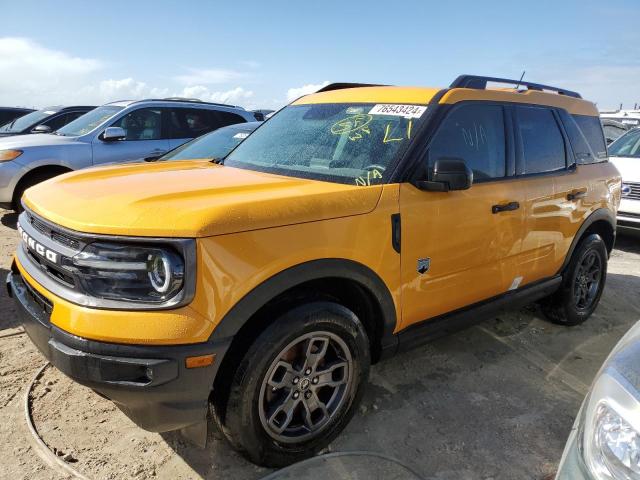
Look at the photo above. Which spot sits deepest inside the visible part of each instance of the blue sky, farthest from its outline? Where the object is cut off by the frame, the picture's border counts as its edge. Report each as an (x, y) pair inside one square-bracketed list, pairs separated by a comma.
[(258, 54)]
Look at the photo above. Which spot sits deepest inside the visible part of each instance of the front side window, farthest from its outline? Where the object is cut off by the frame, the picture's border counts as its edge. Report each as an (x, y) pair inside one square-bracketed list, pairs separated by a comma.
[(475, 134), (89, 121), (344, 143), (141, 124), (627, 145), (542, 142)]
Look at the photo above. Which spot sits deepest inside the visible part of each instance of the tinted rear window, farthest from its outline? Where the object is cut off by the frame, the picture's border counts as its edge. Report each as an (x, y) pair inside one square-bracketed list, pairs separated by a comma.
[(581, 148), (542, 142), (592, 130)]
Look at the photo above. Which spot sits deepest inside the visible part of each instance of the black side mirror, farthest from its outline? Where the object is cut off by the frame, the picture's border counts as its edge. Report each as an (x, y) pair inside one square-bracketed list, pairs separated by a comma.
[(448, 174)]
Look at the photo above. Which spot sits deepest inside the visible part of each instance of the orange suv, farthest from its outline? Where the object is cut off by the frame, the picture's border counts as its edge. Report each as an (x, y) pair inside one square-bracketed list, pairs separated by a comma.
[(357, 221)]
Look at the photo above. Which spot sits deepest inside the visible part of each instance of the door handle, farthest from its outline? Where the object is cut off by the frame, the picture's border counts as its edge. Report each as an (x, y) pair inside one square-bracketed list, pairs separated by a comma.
[(576, 195), (507, 207)]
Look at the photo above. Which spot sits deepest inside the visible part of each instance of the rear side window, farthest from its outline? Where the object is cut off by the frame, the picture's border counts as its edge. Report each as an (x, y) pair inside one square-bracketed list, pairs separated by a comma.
[(579, 145), (592, 130), (228, 118), (543, 147), (475, 134), (142, 124), (191, 122)]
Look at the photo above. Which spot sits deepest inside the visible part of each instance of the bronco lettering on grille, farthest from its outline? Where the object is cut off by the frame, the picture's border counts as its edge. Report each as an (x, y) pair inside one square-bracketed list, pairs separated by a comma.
[(37, 247)]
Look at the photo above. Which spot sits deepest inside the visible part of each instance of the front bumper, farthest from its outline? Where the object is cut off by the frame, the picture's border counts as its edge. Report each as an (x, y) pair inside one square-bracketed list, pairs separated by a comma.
[(150, 384), (629, 214), (572, 466)]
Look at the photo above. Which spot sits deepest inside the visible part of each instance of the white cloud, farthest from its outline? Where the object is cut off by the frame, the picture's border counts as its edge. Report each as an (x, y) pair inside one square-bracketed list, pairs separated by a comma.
[(294, 93), (31, 74), (197, 76), (236, 95)]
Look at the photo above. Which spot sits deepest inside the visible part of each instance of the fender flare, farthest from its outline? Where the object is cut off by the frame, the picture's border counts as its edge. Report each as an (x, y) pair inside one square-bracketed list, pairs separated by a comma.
[(599, 214), (242, 311)]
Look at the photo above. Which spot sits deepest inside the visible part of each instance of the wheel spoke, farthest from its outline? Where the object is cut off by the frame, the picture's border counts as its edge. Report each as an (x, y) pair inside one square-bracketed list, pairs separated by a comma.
[(311, 406), (282, 375), (283, 414), (589, 261), (315, 352), (325, 376)]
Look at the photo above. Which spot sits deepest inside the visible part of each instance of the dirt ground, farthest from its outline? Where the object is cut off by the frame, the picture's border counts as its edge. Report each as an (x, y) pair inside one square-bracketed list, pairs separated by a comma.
[(495, 401)]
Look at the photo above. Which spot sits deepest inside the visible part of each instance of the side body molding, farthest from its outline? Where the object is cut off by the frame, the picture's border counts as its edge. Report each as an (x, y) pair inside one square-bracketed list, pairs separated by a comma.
[(313, 270)]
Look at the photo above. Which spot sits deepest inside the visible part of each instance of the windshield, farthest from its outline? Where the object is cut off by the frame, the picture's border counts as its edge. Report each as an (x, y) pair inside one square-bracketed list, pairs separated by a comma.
[(216, 144), (88, 121), (344, 143), (627, 145), (24, 122)]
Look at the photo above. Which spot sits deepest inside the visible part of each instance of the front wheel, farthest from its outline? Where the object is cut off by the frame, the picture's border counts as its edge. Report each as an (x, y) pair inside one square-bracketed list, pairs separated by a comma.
[(582, 284), (298, 385)]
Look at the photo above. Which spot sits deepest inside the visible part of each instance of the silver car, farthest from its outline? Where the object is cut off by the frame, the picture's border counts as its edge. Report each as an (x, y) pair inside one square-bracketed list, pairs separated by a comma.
[(115, 132), (604, 443)]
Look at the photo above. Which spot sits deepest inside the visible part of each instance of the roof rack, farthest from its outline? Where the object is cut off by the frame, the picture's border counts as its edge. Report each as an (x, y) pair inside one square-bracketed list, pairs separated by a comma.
[(178, 99), (342, 85), (480, 82)]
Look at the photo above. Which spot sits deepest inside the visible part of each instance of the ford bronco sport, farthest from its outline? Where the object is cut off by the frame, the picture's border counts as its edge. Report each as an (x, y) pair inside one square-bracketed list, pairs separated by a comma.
[(357, 221)]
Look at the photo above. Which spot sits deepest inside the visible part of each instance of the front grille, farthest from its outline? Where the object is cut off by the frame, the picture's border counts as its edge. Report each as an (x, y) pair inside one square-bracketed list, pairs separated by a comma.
[(43, 302), (630, 215), (56, 235), (635, 191)]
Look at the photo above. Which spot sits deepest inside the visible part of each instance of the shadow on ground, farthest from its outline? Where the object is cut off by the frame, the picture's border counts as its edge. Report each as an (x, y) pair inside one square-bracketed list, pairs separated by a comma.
[(9, 219)]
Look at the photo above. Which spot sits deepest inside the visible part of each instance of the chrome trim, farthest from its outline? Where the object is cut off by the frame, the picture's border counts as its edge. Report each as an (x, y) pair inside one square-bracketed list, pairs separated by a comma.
[(185, 246)]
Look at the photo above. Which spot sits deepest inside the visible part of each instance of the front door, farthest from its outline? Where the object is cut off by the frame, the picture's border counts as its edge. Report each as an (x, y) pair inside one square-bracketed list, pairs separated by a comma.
[(462, 247), (146, 137)]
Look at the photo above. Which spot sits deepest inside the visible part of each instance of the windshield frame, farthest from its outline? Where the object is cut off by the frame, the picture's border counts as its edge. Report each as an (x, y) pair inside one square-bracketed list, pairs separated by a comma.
[(117, 110), (390, 173)]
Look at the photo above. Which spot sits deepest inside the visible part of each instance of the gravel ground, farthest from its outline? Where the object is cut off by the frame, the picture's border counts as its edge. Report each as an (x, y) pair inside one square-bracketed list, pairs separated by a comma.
[(495, 401)]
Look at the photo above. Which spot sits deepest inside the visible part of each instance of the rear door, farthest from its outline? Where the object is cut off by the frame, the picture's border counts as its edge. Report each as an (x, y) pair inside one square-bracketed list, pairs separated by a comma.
[(146, 137), (543, 160), (457, 247)]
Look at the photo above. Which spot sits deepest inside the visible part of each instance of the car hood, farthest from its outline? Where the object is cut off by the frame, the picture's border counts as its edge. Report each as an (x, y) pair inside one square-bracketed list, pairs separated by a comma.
[(190, 199), (628, 167), (34, 140)]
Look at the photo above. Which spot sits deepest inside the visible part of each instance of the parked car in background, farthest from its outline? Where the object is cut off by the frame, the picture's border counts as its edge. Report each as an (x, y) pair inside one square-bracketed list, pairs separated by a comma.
[(47, 120), (115, 132), (604, 443), (10, 113), (613, 129), (624, 153), (628, 117), (214, 145), (356, 222)]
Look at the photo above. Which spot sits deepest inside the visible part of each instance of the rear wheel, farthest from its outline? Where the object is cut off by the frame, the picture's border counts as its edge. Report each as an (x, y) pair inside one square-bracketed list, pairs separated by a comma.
[(582, 284), (298, 385)]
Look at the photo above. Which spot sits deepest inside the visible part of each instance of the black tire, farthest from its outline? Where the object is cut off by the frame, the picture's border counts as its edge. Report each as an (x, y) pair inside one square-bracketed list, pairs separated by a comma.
[(577, 297), (245, 422)]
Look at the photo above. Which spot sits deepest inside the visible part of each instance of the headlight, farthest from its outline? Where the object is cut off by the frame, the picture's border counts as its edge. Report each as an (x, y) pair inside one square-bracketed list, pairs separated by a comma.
[(611, 422), (6, 155), (146, 274)]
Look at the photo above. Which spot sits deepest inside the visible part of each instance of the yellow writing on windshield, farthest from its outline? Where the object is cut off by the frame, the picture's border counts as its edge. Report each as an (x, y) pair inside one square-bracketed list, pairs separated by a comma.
[(354, 126)]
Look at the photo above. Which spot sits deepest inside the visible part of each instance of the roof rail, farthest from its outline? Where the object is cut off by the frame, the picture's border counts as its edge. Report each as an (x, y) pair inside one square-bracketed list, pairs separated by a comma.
[(187, 100), (480, 82), (342, 85)]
